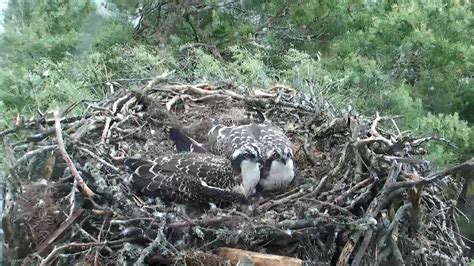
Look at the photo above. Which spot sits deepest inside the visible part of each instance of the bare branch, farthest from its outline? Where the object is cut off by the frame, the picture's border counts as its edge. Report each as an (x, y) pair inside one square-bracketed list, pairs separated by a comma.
[(102, 161), (59, 250), (80, 182)]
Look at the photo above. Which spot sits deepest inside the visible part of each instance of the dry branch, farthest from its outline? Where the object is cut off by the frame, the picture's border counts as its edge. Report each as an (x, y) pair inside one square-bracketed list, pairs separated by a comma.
[(102, 161), (46, 246), (331, 206), (33, 153), (80, 182), (59, 250)]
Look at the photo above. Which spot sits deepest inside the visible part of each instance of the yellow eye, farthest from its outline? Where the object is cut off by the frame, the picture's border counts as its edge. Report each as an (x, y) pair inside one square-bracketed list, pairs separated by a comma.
[(276, 156)]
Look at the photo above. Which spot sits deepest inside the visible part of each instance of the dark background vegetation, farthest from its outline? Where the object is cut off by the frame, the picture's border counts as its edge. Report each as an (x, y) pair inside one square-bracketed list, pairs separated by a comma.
[(408, 58)]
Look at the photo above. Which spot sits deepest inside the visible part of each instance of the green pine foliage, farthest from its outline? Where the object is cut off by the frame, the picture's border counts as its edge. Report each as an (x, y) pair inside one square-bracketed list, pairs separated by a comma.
[(409, 58), (54, 53)]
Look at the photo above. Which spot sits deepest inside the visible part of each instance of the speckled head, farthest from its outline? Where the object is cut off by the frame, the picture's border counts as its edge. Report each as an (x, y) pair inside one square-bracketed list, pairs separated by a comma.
[(278, 169), (282, 155)]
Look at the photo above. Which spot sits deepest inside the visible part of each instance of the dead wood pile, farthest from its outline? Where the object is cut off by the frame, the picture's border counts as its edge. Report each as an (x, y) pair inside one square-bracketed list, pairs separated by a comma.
[(363, 192)]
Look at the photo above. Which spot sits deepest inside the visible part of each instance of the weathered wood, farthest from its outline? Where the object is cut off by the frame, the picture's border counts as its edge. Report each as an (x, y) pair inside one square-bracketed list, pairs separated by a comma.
[(260, 259)]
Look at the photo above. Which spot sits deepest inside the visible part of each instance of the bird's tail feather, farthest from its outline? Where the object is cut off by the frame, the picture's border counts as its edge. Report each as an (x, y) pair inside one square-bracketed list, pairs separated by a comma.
[(184, 143)]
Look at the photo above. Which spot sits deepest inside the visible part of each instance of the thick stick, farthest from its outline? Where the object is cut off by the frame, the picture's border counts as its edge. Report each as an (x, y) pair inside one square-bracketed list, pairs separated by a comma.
[(80, 182), (59, 250), (255, 258)]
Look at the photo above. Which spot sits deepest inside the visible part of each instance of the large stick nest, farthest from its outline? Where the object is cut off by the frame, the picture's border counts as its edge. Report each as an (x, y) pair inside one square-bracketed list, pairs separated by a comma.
[(363, 193)]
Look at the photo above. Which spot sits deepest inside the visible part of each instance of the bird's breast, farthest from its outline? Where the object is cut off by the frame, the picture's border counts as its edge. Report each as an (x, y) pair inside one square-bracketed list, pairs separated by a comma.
[(280, 175)]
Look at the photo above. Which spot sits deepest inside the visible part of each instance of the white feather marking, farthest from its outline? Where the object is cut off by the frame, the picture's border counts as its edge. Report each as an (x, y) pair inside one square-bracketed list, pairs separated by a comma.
[(250, 176), (138, 170), (152, 168), (280, 175), (204, 184), (236, 153), (211, 131), (129, 180)]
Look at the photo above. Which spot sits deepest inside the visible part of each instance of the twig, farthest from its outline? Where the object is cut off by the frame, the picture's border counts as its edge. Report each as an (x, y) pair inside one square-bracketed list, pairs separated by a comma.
[(418, 142), (370, 140), (157, 79), (80, 182), (101, 108), (387, 192), (126, 105), (159, 241), (72, 199), (126, 222), (33, 124), (403, 159), (172, 102), (32, 153), (331, 206), (332, 173), (319, 222), (349, 192), (362, 196), (106, 130), (102, 161), (63, 230), (399, 133), (57, 250), (7, 132), (433, 177), (363, 247), (273, 203), (218, 220), (395, 222), (373, 209), (215, 98), (117, 102), (308, 155), (91, 238), (373, 129)]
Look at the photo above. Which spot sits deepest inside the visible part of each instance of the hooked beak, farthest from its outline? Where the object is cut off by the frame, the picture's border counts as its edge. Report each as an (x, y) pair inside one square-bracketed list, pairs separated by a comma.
[(260, 160)]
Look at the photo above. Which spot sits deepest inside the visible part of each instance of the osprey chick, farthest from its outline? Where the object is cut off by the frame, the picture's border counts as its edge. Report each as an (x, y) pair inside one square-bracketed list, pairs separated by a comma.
[(194, 177), (278, 161), (239, 146), (277, 170)]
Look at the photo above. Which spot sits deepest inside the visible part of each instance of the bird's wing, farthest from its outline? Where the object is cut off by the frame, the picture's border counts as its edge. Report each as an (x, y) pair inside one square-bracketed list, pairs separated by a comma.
[(214, 170), (159, 180)]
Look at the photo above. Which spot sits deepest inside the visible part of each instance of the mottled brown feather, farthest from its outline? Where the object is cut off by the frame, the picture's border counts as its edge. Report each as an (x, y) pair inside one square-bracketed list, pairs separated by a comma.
[(186, 177)]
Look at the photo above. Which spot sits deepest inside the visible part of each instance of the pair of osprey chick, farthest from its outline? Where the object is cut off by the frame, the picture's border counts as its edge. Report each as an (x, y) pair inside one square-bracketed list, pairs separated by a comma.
[(236, 160)]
